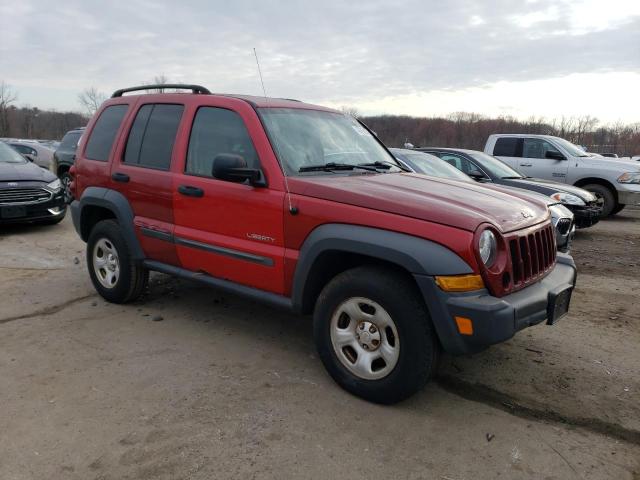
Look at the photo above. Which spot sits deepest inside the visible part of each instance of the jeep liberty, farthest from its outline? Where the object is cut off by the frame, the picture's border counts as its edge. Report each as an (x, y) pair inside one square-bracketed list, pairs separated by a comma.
[(303, 208)]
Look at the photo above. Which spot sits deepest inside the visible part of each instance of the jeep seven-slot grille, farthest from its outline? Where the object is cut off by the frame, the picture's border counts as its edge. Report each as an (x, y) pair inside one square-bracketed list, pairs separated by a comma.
[(532, 255), (23, 195)]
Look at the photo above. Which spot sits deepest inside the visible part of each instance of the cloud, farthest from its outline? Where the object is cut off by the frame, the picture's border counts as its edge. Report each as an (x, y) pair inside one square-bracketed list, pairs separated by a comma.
[(329, 51)]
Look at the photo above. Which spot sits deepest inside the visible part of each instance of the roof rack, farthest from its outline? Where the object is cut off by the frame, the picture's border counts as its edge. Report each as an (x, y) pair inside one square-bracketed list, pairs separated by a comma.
[(193, 88)]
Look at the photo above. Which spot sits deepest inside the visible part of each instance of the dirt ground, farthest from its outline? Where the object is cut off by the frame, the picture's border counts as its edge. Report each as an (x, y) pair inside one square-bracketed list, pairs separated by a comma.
[(225, 388)]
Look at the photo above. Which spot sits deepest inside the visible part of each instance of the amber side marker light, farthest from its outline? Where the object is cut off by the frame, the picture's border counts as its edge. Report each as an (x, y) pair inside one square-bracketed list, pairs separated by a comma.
[(465, 325), (460, 283)]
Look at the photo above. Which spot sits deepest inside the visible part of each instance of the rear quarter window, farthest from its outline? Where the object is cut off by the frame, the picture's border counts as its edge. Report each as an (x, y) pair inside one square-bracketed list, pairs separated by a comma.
[(104, 133), (508, 147)]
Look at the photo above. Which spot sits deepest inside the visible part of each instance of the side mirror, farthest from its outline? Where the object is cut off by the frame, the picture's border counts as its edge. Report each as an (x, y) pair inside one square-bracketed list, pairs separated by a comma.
[(477, 175), (554, 155), (233, 168)]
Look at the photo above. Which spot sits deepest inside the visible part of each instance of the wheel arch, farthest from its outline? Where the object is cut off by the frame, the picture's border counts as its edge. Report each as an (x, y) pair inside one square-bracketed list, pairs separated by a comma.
[(333, 248), (98, 204), (599, 181)]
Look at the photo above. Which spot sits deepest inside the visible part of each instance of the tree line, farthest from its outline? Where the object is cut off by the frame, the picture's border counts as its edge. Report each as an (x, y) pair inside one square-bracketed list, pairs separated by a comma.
[(463, 130), (471, 130)]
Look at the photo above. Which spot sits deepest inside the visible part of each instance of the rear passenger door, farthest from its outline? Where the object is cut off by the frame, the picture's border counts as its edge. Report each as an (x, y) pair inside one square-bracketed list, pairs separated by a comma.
[(509, 150), (141, 172)]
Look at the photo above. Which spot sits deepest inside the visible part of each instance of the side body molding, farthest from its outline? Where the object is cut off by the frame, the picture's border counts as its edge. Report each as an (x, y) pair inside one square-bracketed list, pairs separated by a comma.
[(116, 203), (416, 255)]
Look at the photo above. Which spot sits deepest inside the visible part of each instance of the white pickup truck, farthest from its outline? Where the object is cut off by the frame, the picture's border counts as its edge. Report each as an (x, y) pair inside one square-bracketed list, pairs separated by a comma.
[(617, 182)]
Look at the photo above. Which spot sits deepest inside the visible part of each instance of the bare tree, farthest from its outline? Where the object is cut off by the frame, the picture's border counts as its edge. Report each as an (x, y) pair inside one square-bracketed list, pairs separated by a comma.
[(7, 98), (90, 99), (158, 80)]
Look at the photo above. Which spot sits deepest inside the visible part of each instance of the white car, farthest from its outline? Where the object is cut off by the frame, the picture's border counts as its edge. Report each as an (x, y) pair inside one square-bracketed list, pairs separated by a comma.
[(38, 153)]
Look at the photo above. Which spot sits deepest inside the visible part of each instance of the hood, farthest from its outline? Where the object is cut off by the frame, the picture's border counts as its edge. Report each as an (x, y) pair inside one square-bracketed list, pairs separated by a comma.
[(459, 204), (611, 164), (522, 193), (15, 172), (549, 187)]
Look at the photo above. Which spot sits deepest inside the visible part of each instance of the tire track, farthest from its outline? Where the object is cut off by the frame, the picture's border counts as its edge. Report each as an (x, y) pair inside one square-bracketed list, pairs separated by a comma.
[(48, 310)]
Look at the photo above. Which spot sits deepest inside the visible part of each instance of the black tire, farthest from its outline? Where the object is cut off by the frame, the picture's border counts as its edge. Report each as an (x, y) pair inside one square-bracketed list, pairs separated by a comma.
[(419, 349), (65, 178), (607, 196), (618, 209), (132, 278)]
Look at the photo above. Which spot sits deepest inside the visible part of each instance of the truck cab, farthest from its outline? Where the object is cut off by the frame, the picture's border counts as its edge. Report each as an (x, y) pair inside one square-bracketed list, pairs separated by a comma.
[(615, 182)]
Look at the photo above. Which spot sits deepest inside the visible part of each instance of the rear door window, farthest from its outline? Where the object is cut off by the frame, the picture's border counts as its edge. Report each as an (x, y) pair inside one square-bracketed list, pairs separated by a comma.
[(152, 136), (104, 132), (508, 147), (70, 141)]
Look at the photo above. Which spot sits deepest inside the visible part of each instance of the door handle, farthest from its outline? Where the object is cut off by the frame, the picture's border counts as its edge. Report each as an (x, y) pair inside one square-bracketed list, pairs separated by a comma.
[(526, 164), (120, 177), (190, 191)]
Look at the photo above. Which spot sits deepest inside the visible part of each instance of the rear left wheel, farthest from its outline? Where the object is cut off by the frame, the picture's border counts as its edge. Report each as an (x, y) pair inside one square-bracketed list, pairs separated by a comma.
[(114, 273), (374, 334)]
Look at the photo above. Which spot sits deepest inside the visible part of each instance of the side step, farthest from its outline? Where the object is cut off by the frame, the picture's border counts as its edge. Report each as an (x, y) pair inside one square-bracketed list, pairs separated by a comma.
[(273, 299)]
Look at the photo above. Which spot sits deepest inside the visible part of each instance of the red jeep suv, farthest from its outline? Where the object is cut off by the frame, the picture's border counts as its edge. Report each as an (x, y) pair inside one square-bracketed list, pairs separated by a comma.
[(301, 207)]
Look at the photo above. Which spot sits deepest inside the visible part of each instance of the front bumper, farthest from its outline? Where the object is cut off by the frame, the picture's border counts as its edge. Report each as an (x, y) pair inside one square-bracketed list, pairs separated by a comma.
[(494, 319), (628, 198), (34, 212), (586, 216)]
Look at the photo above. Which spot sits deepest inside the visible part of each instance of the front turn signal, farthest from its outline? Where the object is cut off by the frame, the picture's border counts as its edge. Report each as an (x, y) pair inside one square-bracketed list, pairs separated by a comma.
[(460, 283)]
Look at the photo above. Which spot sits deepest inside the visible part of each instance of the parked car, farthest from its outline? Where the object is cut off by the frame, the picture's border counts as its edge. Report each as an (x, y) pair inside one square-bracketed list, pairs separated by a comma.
[(64, 157), (34, 151), (303, 208), (28, 193), (428, 164), (616, 182), (586, 207)]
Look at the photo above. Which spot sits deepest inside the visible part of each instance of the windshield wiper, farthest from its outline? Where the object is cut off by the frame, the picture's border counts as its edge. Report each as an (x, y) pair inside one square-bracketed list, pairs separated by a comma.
[(512, 178), (330, 166)]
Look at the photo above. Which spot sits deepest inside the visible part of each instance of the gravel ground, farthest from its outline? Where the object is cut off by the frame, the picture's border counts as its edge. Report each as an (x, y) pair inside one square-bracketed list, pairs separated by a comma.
[(190, 383)]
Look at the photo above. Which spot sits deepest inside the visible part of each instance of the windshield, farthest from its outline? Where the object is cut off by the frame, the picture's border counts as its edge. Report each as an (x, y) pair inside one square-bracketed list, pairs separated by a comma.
[(573, 150), (495, 166), (9, 155), (310, 138), (428, 164)]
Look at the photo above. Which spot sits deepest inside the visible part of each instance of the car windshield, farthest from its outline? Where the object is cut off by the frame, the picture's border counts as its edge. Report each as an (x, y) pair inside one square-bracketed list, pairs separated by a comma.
[(9, 155), (307, 140), (495, 166), (573, 150), (428, 164)]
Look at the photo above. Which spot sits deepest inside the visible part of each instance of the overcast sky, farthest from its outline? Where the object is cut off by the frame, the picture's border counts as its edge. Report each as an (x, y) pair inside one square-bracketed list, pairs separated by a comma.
[(424, 57)]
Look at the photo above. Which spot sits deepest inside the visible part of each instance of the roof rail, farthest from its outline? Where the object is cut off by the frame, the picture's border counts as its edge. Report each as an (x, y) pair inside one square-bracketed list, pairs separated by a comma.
[(193, 88)]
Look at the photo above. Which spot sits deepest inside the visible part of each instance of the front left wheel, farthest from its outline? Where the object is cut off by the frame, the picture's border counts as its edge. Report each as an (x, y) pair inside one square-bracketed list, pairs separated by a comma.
[(374, 334), (113, 271)]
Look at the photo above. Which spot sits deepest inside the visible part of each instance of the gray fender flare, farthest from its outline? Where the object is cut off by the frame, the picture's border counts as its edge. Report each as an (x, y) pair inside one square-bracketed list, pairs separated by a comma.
[(416, 255), (115, 202)]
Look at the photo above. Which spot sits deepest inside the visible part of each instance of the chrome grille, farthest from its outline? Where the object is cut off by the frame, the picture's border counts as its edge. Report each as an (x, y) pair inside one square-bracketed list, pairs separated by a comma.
[(23, 195), (563, 226), (533, 254)]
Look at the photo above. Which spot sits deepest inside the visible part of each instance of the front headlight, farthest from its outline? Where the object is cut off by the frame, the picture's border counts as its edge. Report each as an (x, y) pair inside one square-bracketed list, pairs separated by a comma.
[(568, 198), (488, 247), (55, 185), (629, 177)]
